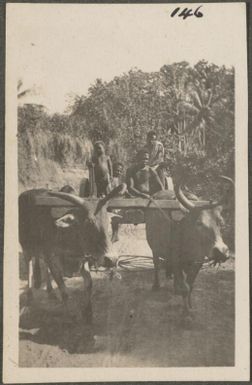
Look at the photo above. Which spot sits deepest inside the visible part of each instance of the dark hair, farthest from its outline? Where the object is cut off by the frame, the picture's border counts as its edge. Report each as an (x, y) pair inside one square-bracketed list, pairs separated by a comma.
[(141, 153), (116, 164), (151, 133), (99, 142), (67, 189)]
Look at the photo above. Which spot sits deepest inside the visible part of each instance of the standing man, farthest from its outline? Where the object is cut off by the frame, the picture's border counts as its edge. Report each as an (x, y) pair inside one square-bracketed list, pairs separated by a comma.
[(155, 149)]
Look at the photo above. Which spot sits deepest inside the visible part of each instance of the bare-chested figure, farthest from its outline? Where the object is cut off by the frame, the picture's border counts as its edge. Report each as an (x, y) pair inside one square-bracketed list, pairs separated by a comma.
[(117, 178), (155, 149), (102, 169), (142, 180)]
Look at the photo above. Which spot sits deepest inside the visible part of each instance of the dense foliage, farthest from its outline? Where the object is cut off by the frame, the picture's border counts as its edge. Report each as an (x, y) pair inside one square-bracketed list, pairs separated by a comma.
[(191, 109)]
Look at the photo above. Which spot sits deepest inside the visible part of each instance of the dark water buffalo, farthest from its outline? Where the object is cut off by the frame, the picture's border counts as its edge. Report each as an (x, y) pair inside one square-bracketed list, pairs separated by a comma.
[(81, 232), (185, 242)]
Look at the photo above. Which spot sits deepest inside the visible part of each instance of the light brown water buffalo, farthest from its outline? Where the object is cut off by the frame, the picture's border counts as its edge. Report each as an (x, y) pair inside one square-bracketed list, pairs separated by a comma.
[(185, 242)]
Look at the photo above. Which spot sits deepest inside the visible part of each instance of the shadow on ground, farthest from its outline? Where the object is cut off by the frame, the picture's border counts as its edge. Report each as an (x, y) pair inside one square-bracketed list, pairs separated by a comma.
[(132, 326)]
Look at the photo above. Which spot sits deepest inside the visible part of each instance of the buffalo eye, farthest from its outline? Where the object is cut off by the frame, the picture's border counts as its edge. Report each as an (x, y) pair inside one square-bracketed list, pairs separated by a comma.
[(91, 219), (199, 222), (200, 225)]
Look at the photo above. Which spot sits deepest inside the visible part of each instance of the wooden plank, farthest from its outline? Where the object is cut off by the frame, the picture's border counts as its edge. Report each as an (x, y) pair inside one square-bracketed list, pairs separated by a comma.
[(139, 203), (116, 203)]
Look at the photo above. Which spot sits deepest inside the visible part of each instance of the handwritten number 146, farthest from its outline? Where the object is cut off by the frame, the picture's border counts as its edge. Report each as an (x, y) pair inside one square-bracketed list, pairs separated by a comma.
[(187, 12)]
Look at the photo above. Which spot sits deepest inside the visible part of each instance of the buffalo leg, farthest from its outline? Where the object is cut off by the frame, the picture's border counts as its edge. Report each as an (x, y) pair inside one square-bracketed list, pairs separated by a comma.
[(168, 269), (191, 273), (30, 279), (49, 287), (87, 304), (34, 275), (156, 283), (55, 268), (115, 229), (182, 287), (186, 302), (29, 264)]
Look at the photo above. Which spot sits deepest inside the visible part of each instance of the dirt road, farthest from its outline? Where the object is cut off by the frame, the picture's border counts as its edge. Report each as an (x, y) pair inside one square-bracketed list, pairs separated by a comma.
[(133, 326)]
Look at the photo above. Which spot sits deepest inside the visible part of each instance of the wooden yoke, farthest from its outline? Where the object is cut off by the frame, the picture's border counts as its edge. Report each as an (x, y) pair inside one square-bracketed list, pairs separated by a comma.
[(117, 203)]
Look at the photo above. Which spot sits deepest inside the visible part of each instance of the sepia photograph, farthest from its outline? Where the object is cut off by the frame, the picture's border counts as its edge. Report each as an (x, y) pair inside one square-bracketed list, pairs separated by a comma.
[(126, 193)]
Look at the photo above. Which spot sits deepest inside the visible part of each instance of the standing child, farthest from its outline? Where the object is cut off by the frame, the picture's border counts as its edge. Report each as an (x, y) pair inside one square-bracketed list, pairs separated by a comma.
[(102, 167)]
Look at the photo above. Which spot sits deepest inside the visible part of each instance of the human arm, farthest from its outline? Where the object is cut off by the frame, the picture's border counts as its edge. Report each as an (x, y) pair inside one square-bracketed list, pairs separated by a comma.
[(110, 166), (156, 179), (90, 163)]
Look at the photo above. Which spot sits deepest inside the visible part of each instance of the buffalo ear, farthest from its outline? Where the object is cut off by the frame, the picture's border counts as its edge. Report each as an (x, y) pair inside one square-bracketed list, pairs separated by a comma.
[(218, 209), (66, 221)]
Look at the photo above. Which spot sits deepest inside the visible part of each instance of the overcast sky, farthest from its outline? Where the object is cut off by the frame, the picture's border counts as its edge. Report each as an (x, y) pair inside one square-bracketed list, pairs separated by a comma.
[(63, 48)]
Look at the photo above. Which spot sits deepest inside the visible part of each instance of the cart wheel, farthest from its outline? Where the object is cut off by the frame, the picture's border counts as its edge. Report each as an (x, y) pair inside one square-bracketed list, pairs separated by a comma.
[(84, 188)]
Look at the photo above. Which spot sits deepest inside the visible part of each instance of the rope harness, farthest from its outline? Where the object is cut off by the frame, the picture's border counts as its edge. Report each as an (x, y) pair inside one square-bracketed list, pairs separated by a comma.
[(168, 218)]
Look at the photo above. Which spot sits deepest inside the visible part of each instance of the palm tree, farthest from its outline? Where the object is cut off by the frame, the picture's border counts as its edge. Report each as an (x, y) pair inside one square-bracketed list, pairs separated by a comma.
[(21, 92), (197, 109)]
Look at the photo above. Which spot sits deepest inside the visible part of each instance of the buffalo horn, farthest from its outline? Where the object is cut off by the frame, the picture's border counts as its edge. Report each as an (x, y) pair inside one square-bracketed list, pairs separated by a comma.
[(222, 200), (226, 179), (78, 201), (189, 205)]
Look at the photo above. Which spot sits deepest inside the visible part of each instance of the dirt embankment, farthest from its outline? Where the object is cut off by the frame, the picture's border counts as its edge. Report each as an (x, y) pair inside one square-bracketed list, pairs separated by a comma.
[(49, 157), (52, 175)]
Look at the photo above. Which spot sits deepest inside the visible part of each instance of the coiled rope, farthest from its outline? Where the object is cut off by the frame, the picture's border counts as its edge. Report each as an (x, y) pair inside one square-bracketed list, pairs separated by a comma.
[(135, 263)]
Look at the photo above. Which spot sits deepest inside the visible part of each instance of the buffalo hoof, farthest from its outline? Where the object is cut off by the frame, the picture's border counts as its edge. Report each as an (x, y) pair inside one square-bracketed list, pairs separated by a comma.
[(187, 319), (29, 298), (64, 297), (156, 286), (87, 315), (169, 275), (52, 296), (87, 345), (114, 239), (187, 322)]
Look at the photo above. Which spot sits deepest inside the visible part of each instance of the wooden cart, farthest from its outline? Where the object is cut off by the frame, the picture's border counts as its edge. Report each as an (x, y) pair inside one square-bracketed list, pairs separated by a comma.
[(133, 208)]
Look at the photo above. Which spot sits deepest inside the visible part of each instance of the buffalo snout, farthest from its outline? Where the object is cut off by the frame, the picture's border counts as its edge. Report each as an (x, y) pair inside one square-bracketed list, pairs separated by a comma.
[(108, 260), (220, 254)]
